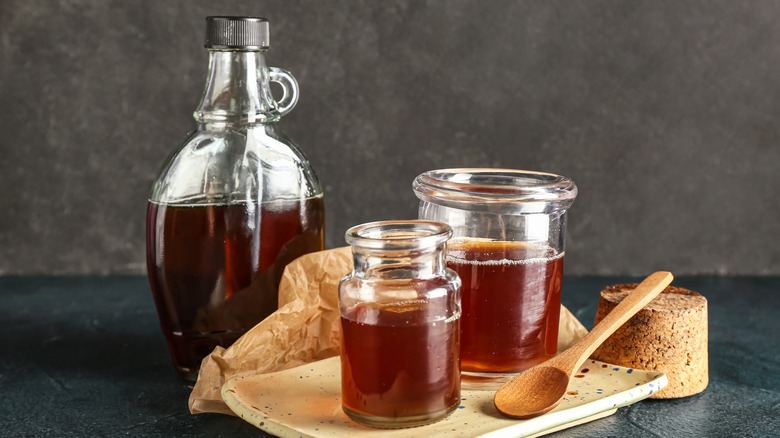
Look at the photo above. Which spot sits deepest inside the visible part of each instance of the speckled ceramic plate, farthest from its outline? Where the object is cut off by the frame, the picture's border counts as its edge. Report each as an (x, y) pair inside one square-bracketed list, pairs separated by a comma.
[(306, 402)]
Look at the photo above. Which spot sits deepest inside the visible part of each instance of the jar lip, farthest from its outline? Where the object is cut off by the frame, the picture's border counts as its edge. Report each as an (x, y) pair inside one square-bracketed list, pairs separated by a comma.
[(398, 234), (496, 190)]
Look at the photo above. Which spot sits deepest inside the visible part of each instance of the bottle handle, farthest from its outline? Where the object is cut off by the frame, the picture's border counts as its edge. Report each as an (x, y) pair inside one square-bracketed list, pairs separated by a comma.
[(289, 88)]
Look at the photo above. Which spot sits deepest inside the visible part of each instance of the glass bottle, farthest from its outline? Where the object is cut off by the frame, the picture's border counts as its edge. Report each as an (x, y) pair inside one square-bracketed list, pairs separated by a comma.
[(400, 319), (233, 205), (508, 248)]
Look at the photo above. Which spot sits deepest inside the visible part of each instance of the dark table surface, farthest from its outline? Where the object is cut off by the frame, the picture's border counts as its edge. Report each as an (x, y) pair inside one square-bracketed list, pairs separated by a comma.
[(85, 357)]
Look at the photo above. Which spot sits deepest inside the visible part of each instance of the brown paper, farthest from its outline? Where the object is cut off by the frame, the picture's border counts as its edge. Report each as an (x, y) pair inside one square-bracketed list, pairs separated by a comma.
[(306, 328)]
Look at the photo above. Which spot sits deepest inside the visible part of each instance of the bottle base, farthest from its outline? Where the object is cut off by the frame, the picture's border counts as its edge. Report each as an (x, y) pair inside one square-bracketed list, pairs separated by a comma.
[(189, 375), (398, 422), (189, 349)]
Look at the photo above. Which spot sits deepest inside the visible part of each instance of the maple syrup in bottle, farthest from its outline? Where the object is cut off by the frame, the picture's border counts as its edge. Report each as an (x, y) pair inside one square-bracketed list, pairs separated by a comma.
[(508, 249), (400, 320), (233, 205)]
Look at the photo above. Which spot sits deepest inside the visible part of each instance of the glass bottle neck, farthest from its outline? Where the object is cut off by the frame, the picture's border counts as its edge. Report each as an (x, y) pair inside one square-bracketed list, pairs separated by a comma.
[(399, 264), (237, 90)]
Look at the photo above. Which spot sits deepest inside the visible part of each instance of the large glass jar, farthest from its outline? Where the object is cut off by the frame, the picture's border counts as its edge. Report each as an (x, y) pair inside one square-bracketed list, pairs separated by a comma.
[(233, 205), (400, 313), (508, 249)]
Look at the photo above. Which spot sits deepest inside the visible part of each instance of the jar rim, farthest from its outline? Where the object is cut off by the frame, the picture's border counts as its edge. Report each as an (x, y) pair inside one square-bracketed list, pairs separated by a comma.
[(509, 191), (399, 234)]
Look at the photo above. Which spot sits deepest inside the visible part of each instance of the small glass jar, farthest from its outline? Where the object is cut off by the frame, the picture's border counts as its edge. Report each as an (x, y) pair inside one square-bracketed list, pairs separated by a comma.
[(400, 320), (508, 248)]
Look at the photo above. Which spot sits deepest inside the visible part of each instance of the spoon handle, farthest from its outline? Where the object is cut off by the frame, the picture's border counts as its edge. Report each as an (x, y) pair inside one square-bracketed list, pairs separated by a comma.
[(630, 305)]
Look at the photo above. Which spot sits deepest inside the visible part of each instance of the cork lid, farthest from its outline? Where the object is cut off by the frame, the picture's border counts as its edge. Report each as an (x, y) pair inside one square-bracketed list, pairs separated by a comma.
[(671, 299)]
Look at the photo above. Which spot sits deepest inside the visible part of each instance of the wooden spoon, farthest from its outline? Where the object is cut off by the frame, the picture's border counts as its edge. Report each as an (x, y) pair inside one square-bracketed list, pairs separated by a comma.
[(538, 390)]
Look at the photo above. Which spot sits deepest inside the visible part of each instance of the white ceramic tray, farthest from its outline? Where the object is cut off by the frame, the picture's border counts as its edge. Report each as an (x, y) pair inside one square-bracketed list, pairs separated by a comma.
[(306, 402)]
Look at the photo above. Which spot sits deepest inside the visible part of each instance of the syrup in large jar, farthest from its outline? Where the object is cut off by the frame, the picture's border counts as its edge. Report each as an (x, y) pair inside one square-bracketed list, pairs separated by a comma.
[(510, 301)]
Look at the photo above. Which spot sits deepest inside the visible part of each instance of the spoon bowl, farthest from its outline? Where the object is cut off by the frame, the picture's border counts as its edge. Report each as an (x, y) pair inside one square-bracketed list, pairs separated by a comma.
[(540, 389), (542, 384)]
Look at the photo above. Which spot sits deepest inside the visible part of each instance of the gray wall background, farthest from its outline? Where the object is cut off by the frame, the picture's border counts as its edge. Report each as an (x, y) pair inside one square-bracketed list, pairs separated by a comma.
[(665, 113)]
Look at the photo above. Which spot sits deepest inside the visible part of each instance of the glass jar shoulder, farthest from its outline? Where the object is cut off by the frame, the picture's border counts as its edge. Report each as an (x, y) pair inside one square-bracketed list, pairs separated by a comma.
[(216, 165), (383, 291)]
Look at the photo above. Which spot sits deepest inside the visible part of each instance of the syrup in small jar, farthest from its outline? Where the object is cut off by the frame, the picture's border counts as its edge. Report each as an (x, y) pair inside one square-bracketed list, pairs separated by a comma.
[(400, 319)]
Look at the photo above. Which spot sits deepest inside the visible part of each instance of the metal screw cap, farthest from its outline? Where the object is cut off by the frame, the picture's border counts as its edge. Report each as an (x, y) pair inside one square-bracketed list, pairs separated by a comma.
[(244, 33)]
